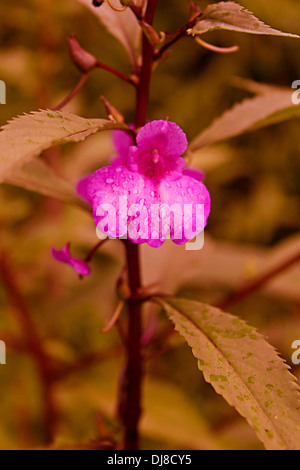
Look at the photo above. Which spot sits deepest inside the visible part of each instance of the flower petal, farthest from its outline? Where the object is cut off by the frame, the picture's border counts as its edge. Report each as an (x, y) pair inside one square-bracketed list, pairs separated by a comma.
[(64, 256), (122, 142), (157, 155), (82, 188), (194, 173), (111, 192), (190, 203), (146, 195), (156, 133), (125, 204)]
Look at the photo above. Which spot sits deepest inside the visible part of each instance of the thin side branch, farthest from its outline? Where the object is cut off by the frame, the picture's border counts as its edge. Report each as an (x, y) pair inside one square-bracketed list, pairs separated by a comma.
[(34, 342), (251, 287)]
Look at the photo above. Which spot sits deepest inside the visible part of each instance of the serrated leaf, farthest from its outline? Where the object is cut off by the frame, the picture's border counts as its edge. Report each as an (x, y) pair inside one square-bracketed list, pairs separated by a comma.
[(39, 177), (243, 368), (233, 17), (249, 115), (27, 136), (122, 25)]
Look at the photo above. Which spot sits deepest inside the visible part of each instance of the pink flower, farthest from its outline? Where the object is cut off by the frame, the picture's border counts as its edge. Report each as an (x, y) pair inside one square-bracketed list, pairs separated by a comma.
[(145, 193), (64, 256)]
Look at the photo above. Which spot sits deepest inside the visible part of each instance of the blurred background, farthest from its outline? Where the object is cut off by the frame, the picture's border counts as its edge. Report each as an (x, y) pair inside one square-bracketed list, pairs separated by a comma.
[(254, 185)]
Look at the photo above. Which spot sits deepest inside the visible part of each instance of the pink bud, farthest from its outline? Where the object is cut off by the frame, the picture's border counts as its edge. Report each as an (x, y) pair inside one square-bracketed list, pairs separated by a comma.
[(81, 58), (64, 256)]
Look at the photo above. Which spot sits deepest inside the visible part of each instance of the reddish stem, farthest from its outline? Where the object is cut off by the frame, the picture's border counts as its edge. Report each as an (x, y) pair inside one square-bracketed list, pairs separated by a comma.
[(130, 406), (178, 35), (35, 345), (84, 79), (73, 93), (108, 68), (131, 409), (143, 88)]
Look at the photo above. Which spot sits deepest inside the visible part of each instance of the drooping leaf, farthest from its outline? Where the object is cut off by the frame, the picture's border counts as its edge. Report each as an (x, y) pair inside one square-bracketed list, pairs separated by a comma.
[(251, 114), (210, 266), (122, 25), (27, 136), (233, 17), (243, 368), (257, 88), (39, 177)]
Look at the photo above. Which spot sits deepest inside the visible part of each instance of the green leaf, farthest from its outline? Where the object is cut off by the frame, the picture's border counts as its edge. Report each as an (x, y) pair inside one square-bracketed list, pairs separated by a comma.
[(233, 17), (122, 25), (27, 136), (39, 177), (243, 368), (254, 113)]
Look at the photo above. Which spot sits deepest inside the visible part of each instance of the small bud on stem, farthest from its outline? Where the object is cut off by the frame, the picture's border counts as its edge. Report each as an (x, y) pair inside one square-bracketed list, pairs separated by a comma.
[(113, 113), (97, 3), (195, 11), (81, 58)]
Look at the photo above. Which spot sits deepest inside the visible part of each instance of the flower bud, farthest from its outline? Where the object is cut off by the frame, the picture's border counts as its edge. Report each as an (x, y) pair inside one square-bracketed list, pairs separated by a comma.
[(97, 3), (64, 256), (195, 11), (113, 113), (81, 58)]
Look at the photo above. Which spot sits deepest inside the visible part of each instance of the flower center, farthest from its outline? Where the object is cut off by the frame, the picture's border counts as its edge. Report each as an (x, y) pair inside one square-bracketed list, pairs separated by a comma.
[(155, 156)]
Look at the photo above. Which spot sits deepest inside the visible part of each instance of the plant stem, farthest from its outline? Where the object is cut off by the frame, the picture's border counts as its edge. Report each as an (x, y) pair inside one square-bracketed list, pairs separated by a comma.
[(84, 78), (143, 88), (34, 344), (73, 93), (134, 364), (178, 35), (122, 76), (131, 407)]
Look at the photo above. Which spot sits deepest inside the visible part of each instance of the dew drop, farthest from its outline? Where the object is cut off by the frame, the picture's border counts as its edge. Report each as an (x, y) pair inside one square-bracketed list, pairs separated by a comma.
[(109, 181), (164, 212)]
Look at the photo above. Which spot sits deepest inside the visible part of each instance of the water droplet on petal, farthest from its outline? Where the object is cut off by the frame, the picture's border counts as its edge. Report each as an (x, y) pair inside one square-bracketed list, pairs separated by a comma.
[(164, 212), (109, 181)]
